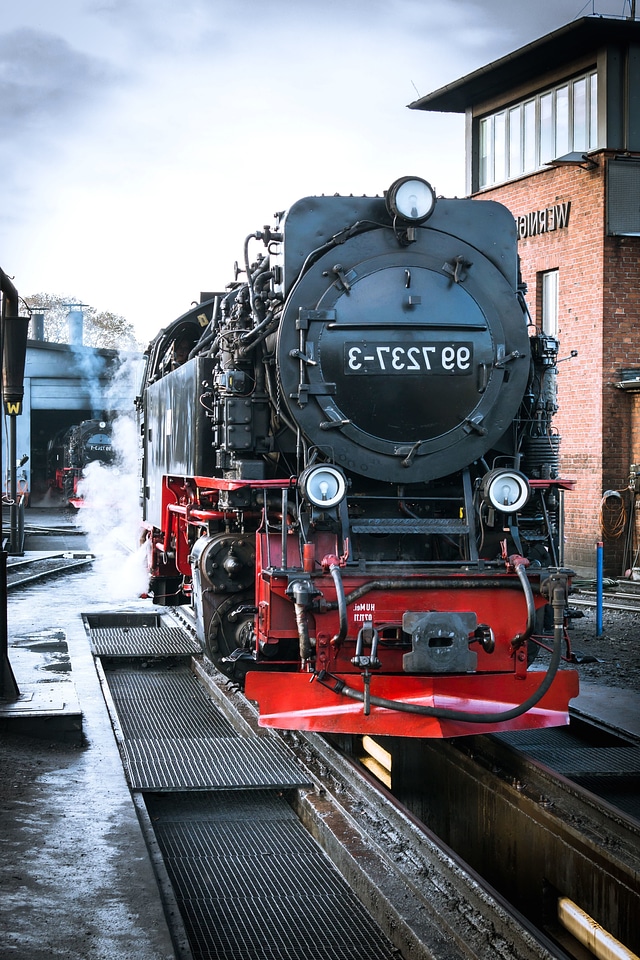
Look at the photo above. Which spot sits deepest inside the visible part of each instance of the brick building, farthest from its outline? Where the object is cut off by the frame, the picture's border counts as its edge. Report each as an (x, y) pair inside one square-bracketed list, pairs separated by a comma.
[(553, 132)]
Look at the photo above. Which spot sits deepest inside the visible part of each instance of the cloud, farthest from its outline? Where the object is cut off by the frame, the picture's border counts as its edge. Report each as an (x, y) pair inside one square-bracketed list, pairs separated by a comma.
[(48, 90), (143, 139), (44, 81)]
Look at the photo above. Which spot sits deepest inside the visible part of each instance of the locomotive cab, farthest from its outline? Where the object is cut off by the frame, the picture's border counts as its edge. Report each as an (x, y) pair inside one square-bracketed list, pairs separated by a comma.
[(353, 483)]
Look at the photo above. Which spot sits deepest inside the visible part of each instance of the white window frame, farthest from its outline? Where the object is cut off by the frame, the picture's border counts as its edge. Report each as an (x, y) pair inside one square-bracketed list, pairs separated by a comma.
[(560, 119), (549, 291)]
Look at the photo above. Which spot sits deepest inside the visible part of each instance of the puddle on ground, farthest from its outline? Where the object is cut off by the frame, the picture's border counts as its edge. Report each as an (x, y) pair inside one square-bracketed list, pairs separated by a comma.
[(52, 647), (44, 640)]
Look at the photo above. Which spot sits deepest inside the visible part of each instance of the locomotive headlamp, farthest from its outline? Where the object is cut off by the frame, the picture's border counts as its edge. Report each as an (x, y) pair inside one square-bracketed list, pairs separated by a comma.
[(323, 486), (411, 198), (506, 490)]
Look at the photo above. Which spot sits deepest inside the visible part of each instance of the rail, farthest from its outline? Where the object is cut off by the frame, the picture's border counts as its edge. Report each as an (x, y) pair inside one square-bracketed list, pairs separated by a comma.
[(537, 834)]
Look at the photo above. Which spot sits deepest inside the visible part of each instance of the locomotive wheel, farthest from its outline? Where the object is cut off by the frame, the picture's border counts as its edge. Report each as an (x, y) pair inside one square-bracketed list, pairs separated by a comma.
[(532, 652), (229, 636)]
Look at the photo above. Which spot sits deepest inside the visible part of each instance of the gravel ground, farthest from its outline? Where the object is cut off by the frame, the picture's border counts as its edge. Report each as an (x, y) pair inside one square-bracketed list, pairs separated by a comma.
[(612, 659)]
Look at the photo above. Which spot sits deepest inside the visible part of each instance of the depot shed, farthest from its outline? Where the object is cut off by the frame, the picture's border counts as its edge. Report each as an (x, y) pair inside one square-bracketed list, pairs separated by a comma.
[(63, 385)]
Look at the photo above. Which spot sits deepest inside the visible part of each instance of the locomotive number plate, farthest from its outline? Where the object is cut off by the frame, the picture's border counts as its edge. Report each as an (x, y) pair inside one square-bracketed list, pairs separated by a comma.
[(408, 358)]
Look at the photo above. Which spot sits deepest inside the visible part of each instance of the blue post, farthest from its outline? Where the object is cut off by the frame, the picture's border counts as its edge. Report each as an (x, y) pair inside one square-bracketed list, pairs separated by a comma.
[(599, 588)]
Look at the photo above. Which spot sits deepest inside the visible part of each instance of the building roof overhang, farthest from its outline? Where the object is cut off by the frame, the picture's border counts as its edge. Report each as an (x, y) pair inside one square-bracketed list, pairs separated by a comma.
[(574, 41)]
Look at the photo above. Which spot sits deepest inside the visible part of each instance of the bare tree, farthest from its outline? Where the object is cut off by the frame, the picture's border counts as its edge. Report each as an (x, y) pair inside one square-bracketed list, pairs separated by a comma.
[(100, 329)]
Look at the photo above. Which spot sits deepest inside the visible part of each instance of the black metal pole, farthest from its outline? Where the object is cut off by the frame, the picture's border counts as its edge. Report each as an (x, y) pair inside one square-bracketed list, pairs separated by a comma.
[(14, 547), (8, 687)]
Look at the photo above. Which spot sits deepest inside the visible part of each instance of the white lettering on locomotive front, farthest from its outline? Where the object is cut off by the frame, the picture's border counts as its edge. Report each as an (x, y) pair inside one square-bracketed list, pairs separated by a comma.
[(400, 358), (363, 612)]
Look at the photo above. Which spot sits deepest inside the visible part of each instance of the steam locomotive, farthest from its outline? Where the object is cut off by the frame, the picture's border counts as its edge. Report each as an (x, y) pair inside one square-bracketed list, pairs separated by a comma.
[(350, 476), (70, 451)]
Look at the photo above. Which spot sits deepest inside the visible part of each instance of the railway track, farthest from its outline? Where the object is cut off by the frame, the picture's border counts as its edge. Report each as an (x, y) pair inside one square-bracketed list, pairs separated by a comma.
[(386, 857), (624, 595), (23, 571), (527, 837), (280, 833), (545, 816)]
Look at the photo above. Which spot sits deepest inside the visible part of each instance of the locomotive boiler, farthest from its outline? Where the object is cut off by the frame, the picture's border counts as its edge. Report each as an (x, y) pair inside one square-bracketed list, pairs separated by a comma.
[(350, 475)]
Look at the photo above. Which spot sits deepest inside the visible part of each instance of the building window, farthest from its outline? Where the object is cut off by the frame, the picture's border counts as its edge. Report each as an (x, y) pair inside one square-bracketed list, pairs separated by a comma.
[(546, 141), (531, 133), (549, 302), (563, 139), (580, 115)]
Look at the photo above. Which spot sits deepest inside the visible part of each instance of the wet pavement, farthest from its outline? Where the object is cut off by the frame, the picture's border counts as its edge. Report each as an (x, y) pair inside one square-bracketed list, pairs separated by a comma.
[(76, 878)]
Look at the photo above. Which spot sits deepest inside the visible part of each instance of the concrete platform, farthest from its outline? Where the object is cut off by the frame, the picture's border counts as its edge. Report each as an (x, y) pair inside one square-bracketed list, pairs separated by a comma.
[(49, 527), (614, 707), (49, 710), (76, 877), (51, 713)]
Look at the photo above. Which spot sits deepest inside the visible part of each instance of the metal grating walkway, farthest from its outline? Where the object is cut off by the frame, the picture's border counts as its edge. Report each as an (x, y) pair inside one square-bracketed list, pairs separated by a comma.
[(611, 771), (565, 752), (249, 880), (142, 641), (591, 762), (252, 884), (173, 737)]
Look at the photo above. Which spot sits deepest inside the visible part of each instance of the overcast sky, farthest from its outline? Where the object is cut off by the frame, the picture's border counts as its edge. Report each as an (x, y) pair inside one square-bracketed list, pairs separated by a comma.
[(141, 140)]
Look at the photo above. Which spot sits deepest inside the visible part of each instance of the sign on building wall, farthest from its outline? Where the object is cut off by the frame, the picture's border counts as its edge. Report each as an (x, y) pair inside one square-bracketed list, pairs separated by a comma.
[(542, 221)]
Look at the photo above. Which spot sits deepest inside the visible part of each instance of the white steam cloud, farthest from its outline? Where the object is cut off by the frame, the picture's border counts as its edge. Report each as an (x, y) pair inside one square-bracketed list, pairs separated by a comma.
[(111, 516)]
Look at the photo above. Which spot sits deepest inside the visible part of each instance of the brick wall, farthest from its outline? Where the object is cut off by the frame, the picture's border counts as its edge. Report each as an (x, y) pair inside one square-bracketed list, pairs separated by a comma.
[(621, 323), (599, 316)]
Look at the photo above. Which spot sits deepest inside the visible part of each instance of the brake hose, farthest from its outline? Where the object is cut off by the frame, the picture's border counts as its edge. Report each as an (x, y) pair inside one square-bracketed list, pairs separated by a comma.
[(333, 564), (557, 588)]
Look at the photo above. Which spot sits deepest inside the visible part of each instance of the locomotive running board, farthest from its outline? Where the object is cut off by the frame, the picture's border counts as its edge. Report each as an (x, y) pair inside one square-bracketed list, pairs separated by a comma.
[(292, 701)]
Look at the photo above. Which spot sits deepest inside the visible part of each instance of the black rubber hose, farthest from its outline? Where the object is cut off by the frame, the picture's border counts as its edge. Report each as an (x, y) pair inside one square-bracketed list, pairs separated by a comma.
[(341, 601), (446, 714), (558, 596), (531, 607)]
